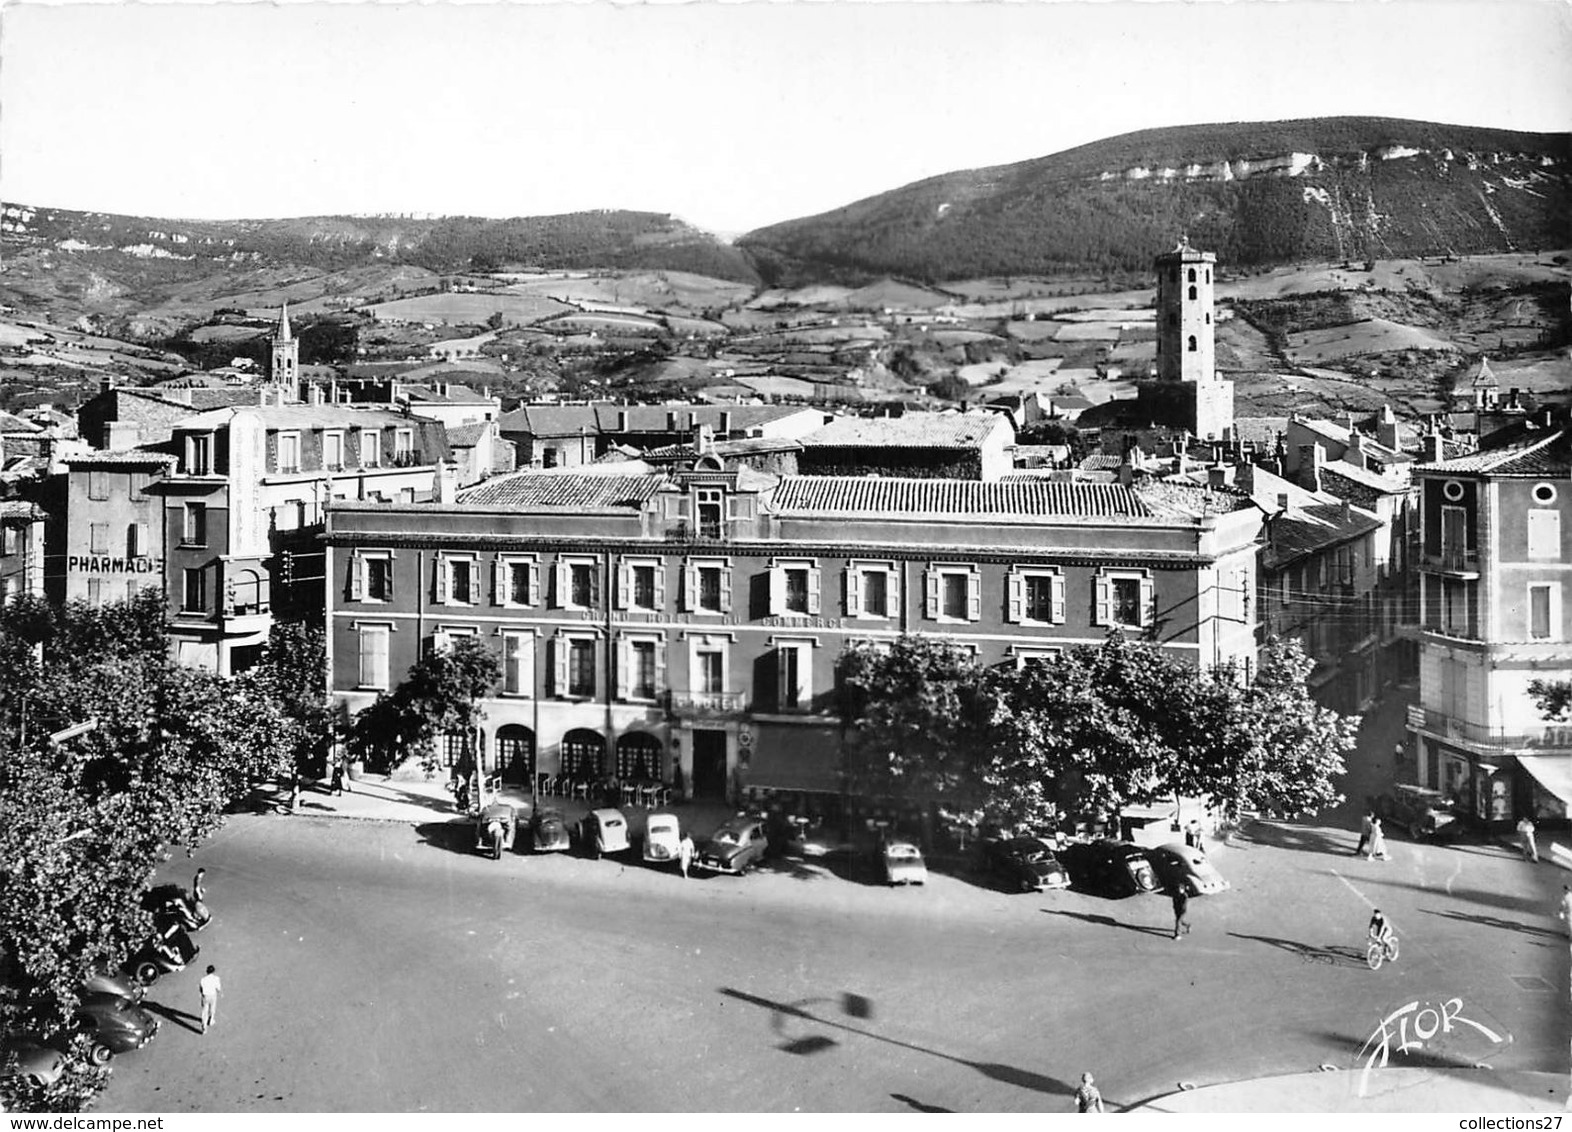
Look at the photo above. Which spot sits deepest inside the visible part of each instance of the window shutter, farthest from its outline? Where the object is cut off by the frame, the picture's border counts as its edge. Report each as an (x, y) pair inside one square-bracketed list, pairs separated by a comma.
[(357, 578), (892, 594), (1057, 586), (563, 592), (559, 665), (499, 581), (660, 667), (533, 574), (442, 581), (690, 586), (624, 667), (813, 589), (782, 692), (931, 596), (392, 573), (624, 583), (1103, 612), (1016, 585), (595, 595), (853, 591), (726, 588), (777, 591), (139, 535), (973, 596), (1148, 601), (660, 585)]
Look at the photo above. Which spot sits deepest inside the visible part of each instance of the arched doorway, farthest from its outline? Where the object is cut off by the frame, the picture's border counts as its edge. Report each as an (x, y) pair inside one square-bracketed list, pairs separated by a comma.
[(639, 757), (516, 753), (583, 754)]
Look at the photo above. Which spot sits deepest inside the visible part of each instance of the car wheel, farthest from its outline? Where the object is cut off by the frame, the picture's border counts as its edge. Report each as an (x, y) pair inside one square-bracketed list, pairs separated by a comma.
[(1026, 885), (101, 1054), (147, 973)]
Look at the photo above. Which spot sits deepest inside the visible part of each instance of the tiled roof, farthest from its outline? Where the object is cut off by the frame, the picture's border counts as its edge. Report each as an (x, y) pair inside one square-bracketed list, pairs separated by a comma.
[(466, 436), (567, 420), (1364, 477), (914, 430), (1100, 462), (11, 423), (1327, 429), (127, 456), (455, 395), (873, 495), (1301, 531), (305, 416), (572, 491), (20, 509), (1536, 453)]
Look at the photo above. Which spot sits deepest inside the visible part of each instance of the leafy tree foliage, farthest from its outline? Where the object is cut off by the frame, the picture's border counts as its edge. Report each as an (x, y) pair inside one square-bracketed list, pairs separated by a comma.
[(440, 696), (1553, 698), (85, 821), (1087, 732)]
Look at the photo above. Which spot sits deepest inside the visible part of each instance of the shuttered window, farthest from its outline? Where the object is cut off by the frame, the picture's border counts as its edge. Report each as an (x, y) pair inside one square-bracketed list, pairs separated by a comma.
[(1035, 596), (374, 656), (1124, 598), (794, 587), (952, 593)]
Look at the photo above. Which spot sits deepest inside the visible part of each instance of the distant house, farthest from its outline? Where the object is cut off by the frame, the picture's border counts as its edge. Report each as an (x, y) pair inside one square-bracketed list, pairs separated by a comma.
[(969, 446), (550, 436)]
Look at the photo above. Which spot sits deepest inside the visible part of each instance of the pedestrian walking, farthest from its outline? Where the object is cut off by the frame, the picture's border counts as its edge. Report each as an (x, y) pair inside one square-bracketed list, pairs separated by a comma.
[(198, 887), (1377, 841), (1087, 1098), (211, 988), (1525, 833), (1365, 826), (338, 778), (1181, 908), (685, 853), (1566, 907), (1195, 837)]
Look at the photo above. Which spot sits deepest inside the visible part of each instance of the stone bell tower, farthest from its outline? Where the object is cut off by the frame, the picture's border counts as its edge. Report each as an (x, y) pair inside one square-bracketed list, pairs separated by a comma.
[(284, 368), (1185, 342)]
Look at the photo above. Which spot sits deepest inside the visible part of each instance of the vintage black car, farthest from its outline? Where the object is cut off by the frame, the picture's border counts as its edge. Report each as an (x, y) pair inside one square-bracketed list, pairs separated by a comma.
[(1026, 863), (1109, 868), (735, 847), (1422, 812)]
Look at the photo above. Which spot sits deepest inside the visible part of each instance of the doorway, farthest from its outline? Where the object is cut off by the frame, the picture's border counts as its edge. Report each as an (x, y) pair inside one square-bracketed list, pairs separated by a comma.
[(709, 764)]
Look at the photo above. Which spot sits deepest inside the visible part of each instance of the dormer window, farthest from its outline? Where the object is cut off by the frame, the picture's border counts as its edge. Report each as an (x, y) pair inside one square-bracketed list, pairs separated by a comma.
[(710, 506), (370, 448), (333, 451), (288, 453)]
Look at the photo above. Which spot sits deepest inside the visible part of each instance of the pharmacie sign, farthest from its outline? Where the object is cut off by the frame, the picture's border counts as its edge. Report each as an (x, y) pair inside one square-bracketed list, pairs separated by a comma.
[(104, 564)]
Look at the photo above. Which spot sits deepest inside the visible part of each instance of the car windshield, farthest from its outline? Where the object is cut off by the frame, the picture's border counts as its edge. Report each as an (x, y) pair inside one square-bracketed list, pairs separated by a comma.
[(904, 852), (726, 836), (612, 823), (653, 827)]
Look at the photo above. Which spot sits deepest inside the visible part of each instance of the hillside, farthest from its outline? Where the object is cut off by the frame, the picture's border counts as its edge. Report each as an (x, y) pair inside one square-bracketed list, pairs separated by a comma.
[(1255, 193), (75, 263)]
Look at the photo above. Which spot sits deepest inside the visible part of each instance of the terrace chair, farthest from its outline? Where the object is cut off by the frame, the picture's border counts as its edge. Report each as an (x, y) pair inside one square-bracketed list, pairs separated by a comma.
[(629, 791), (581, 788), (647, 795), (543, 784)]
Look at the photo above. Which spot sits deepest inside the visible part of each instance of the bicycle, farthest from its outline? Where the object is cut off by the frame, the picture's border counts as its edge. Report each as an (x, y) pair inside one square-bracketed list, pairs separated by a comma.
[(1381, 950)]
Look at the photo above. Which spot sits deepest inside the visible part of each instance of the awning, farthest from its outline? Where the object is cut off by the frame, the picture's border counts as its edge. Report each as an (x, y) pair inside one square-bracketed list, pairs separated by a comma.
[(786, 757), (1552, 772)]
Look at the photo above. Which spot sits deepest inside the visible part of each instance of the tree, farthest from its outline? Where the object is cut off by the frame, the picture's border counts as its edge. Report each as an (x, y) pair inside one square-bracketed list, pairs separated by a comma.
[(85, 821), (913, 718), (1553, 698), (440, 696), (293, 674)]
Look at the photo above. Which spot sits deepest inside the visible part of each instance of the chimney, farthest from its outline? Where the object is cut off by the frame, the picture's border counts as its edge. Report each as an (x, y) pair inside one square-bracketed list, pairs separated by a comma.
[(704, 440), (725, 422), (1218, 475), (316, 394), (1347, 514), (1431, 451), (1126, 472), (1386, 429), (445, 489), (671, 421)]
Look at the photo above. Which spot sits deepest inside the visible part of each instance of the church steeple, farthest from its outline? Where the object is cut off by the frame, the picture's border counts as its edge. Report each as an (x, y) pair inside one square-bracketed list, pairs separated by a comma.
[(285, 367)]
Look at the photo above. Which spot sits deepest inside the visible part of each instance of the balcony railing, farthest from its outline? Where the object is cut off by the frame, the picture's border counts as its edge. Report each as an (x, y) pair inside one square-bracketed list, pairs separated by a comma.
[(1482, 735), (685, 704), (1451, 560), (406, 459)]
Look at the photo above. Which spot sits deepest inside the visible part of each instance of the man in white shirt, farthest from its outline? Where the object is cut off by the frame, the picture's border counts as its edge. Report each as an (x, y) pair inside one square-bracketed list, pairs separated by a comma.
[(211, 988)]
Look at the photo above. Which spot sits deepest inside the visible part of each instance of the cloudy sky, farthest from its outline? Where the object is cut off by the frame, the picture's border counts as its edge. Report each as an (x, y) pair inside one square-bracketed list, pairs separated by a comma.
[(731, 115)]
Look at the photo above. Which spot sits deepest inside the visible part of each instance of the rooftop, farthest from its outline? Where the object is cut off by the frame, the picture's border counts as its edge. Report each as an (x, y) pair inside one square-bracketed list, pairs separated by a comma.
[(138, 456), (1521, 450), (913, 430), (304, 416), (621, 487), (1015, 498)]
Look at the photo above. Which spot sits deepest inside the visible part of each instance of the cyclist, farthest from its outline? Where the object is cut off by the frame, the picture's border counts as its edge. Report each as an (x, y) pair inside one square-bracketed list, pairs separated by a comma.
[(1380, 930)]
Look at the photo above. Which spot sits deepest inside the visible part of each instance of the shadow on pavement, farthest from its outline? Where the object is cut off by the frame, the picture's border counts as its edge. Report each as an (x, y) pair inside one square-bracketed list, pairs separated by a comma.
[(1009, 1074), (918, 1105), (1530, 904), (456, 836), (1306, 839), (1336, 955), (170, 1014), (1495, 922), (1110, 922)]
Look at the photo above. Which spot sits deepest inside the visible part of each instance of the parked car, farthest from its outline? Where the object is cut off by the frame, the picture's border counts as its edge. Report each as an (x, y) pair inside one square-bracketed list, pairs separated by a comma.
[(1423, 812), (1177, 864), (170, 949), (495, 828), (604, 831), (1109, 868), (662, 835), (30, 1060), (903, 863), (1027, 863), (102, 980), (170, 903), (548, 832), (735, 847), (116, 1025)]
